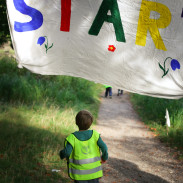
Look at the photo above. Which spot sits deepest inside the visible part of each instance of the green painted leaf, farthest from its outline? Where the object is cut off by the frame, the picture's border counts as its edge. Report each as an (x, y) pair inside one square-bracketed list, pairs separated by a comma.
[(51, 46), (166, 72), (161, 67)]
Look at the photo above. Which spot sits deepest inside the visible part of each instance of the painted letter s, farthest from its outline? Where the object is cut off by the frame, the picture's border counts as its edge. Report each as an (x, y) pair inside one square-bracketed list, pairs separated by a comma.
[(37, 17)]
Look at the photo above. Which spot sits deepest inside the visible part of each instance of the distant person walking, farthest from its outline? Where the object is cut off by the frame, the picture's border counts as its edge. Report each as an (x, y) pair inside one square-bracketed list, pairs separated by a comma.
[(108, 91), (120, 92)]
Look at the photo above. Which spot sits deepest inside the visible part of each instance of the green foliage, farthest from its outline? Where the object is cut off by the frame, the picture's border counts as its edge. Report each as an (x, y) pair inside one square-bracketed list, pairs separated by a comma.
[(36, 114), (20, 85), (152, 111), (30, 142), (4, 29), (154, 108)]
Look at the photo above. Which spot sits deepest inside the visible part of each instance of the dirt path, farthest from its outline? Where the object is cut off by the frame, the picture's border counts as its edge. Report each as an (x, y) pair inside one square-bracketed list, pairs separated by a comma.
[(135, 155)]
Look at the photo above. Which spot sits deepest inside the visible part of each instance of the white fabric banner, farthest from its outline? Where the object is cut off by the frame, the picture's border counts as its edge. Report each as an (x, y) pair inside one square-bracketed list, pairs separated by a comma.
[(135, 45)]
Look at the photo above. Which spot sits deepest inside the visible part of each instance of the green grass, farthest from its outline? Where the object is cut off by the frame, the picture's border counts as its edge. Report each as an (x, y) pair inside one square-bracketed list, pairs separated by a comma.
[(30, 140), (152, 111), (20, 85), (36, 114)]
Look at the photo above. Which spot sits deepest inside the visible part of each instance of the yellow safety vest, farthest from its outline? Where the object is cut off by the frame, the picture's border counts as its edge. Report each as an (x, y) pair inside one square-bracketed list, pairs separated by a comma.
[(85, 161), (107, 86)]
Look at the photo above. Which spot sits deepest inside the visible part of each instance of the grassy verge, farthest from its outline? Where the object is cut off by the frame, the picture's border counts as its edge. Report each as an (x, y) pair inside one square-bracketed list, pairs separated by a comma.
[(152, 111), (36, 114)]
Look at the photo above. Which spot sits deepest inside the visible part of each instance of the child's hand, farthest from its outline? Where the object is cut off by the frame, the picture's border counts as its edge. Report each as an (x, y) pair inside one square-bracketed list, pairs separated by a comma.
[(103, 161)]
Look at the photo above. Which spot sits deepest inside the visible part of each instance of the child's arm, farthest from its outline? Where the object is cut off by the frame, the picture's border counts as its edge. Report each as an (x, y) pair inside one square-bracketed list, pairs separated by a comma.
[(65, 153), (103, 148)]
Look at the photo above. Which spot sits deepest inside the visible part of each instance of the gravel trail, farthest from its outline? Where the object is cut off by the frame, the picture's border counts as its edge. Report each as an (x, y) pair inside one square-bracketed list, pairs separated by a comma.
[(135, 154)]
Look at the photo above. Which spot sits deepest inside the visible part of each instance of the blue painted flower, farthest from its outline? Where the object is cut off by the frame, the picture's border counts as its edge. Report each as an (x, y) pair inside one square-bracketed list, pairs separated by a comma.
[(41, 40), (175, 64)]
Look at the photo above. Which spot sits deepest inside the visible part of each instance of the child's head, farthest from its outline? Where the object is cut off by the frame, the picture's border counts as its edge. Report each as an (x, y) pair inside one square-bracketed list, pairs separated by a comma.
[(84, 120)]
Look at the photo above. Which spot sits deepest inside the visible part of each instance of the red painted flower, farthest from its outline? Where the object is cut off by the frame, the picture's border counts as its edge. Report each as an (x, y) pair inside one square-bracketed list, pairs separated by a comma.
[(111, 48)]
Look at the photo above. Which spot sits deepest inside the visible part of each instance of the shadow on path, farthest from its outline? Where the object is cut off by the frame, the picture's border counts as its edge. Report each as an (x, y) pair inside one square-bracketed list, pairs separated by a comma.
[(130, 172)]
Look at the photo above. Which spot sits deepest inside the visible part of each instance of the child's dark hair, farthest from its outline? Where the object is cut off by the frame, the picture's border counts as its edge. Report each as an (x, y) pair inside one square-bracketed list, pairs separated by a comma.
[(84, 120)]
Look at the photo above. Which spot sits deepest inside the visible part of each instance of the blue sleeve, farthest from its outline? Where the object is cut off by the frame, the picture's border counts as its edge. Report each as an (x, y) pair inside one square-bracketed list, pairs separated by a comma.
[(65, 153), (103, 148)]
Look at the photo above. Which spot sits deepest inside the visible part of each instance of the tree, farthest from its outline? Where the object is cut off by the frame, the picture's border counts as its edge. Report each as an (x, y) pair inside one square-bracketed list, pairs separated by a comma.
[(4, 29)]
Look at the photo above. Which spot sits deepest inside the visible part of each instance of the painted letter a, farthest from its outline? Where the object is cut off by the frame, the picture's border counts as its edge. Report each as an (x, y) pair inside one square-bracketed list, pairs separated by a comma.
[(102, 16)]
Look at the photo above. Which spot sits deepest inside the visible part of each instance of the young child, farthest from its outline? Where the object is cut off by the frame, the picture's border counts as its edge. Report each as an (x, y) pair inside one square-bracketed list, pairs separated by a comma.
[(120, 92), (82, 151), (108, 90)]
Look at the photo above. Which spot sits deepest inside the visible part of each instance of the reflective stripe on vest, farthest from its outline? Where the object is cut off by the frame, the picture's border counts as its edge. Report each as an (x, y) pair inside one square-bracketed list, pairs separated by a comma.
[(84, 172), (84, 161)]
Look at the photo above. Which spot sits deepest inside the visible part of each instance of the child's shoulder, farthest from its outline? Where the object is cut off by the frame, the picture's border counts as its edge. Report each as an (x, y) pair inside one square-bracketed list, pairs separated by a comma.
[(94, 131), (70, 136), (96, 134)]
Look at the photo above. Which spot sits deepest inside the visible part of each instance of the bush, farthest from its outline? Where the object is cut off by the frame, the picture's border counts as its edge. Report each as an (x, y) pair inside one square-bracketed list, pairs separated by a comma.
[(154, 108), (4, 29), (20, 85), (152, 111)]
